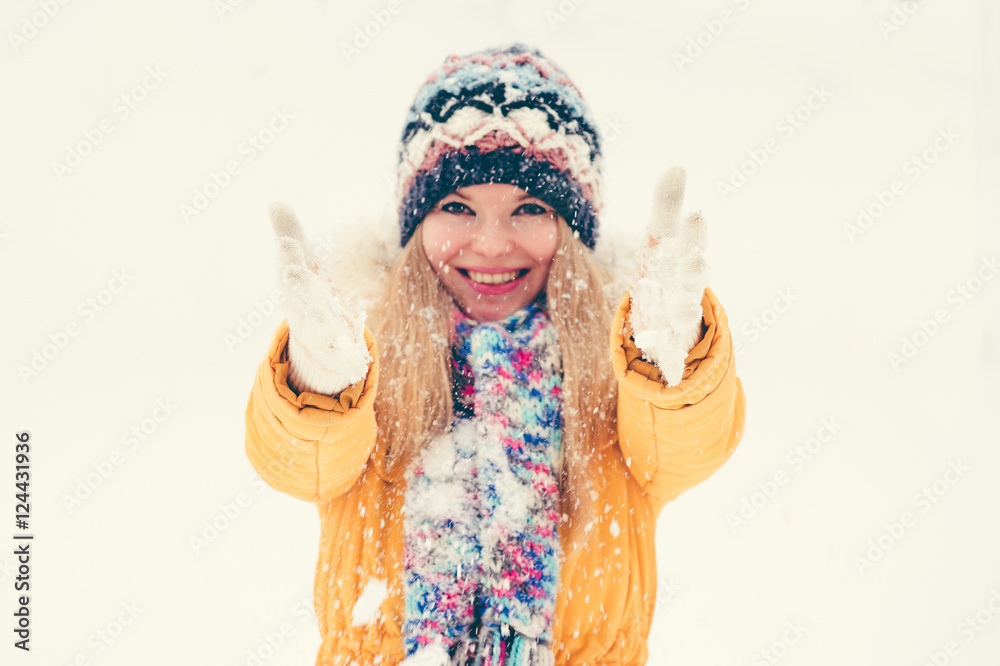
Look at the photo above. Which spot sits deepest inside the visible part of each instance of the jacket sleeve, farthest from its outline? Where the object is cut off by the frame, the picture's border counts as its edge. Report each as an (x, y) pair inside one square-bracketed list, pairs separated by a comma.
[(311, 446), (675, 437)]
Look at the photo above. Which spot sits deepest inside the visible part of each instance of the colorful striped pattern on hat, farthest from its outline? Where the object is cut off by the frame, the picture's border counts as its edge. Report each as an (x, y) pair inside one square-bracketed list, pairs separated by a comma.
[(503, 115)]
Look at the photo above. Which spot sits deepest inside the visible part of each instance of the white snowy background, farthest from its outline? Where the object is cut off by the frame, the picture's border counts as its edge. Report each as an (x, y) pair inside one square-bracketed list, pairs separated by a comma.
[(168, 549)]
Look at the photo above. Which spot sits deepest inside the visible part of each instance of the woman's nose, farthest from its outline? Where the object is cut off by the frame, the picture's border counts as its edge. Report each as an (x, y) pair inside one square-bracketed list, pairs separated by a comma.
[(491, 238)]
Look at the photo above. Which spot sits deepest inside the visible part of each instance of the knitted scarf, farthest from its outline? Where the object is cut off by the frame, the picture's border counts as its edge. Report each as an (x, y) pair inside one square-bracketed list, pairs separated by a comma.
[(481, 547)]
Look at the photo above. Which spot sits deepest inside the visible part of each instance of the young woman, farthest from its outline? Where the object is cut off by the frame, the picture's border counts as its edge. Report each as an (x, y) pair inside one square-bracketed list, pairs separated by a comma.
[(488, 476)]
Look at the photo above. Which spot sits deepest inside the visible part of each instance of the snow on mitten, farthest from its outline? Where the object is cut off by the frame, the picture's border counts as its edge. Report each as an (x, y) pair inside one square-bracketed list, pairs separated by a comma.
[(326, 343), (670, 279)]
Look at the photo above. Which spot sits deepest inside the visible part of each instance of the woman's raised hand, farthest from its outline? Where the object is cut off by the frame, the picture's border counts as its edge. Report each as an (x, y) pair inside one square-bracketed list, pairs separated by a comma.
[(670, 280), (326, 342)]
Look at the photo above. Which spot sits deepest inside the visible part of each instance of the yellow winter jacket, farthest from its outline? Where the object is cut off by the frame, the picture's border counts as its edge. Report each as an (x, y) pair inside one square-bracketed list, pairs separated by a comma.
[(323, 449)]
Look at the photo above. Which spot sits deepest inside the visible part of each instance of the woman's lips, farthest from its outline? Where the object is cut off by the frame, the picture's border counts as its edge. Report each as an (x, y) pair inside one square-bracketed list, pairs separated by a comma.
[(493, 281)]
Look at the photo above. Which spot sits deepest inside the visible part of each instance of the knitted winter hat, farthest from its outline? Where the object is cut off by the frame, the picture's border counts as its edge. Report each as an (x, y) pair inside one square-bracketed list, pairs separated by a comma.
[(501, 115)]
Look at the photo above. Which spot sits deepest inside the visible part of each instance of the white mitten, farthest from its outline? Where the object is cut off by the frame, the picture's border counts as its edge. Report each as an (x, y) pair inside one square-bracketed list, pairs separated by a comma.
[(670, 279), (326, 343)]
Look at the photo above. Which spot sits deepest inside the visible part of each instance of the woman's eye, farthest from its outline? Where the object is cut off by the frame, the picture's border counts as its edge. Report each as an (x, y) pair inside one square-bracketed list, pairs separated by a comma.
[(456, 208), (531, 209)]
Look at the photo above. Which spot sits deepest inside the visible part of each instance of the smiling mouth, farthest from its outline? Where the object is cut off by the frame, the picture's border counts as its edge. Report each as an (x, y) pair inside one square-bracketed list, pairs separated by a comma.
[(493, 278)]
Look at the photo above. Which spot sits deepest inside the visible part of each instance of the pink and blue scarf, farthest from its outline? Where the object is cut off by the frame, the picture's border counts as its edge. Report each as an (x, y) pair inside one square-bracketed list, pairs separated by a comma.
[(481, 543)]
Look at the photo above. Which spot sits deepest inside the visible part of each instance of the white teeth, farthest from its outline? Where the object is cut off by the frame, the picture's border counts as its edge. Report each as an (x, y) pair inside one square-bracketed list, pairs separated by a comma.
[(492, 278)]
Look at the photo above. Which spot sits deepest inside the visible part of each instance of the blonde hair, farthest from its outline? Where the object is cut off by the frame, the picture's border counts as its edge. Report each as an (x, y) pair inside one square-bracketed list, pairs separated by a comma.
[(414, 400)]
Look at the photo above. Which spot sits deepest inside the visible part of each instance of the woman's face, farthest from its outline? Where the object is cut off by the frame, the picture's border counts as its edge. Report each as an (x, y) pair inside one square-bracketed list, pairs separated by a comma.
[(491, 246)]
